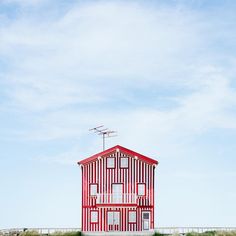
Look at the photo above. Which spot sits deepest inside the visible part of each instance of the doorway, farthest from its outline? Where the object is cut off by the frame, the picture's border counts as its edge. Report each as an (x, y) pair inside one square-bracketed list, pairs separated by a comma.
[(146, 220), (117, 193), (113, 220)]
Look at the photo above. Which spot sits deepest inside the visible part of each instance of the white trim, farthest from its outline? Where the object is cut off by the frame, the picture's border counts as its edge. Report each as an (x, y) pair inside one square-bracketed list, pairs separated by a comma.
[(94, 216), (93, 189), (124, 162), (118, 233), (132, 216), (109, 162), (146, 221)]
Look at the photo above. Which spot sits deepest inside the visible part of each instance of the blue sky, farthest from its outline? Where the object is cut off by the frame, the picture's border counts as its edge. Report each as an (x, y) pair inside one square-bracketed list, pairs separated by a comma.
[(161, 73)]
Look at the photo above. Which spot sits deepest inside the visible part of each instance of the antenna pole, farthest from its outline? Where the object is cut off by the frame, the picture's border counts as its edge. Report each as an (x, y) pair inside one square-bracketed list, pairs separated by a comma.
[(103, 138), (105, 132)]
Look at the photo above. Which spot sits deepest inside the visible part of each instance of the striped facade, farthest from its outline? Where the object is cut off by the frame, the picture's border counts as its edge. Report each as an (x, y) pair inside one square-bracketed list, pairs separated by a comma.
[(109, 211)]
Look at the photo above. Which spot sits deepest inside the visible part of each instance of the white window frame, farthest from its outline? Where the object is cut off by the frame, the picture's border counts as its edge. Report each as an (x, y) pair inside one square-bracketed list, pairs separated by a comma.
[(109, 166), (126, 159), (141, 192), (110, 217), (93, 189), (113, 217), (132, 216), (94, 216), (146, 222), (117, 193)]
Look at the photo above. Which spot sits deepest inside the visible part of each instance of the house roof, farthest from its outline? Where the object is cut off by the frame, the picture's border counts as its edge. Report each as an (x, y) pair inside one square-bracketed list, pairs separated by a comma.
[(122, 149)]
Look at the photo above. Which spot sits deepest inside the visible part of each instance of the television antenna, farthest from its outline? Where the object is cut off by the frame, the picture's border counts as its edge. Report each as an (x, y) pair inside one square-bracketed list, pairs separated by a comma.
[(105, 132)]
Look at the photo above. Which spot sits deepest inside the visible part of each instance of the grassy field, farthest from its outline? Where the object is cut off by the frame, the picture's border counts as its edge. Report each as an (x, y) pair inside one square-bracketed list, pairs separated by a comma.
[(35, 233), (208, 233)]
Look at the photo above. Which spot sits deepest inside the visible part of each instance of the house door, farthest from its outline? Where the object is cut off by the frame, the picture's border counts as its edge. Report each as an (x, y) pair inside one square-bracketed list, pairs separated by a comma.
[(146, 220), (117, 193), (113, 220)]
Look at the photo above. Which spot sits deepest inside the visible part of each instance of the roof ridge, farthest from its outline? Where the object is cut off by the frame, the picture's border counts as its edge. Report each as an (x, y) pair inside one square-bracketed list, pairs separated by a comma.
[(131, 152)]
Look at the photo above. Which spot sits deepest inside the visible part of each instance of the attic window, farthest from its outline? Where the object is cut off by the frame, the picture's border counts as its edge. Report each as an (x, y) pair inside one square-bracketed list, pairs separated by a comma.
[(111, 162), (124, 162)]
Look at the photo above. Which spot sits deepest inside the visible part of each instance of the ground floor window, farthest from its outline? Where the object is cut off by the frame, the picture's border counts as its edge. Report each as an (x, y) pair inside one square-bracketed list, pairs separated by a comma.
[(94, 216), (132, 216)]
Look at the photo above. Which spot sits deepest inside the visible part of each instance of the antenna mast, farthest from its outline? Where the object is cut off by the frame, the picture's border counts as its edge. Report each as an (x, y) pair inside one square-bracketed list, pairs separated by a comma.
[(105, 132)]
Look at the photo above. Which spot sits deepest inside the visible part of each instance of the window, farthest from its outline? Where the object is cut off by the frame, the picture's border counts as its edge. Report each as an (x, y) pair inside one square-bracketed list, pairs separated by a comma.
[(94, 216), (124, 162), (146, 220), (93, 189), (111, 162), (141, 189), (146, 216), (117, 190), (132, 216), (110, 217), (113, 217)]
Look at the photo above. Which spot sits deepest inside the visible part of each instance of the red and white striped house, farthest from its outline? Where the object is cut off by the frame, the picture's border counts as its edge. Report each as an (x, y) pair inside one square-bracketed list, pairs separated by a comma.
[(117, 191)]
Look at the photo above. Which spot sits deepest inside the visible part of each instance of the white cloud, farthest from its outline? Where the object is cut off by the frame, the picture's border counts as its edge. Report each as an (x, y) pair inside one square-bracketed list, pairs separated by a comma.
[(23, 2), (98, 53), (195, 114), (92, 49), (67, 158)]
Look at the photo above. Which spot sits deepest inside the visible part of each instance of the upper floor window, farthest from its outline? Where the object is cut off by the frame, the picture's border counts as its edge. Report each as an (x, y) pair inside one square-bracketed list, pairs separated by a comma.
[(141, 189), (93, 189), (124, 162), (111, 162)]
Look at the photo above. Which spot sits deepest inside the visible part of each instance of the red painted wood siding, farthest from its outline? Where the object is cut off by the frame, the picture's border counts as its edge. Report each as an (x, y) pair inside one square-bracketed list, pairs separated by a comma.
[(96, 172)]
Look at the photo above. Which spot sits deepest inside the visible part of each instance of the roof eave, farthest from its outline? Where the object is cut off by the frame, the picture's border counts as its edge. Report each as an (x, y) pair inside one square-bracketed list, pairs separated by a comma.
[(94, 157)]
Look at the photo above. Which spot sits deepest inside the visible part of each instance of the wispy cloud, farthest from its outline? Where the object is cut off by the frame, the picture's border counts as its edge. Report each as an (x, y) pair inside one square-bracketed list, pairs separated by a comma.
[(91, 49), (72, 71), (23, 2), (67, 158)]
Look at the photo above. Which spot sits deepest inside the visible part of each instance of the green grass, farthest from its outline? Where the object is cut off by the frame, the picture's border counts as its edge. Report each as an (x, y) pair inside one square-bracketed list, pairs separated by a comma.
[(35, 233), (159, 234), (207, 233), (29, 233), (77, 233)]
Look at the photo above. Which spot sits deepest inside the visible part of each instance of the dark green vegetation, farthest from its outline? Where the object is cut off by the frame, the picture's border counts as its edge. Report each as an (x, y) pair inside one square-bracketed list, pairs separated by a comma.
[(76, 233), (207, 233), (159, 234), (213, 233)]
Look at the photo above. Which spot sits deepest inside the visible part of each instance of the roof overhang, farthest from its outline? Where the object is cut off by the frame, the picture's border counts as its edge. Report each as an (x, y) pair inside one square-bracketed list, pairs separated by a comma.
[(118, 148)]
